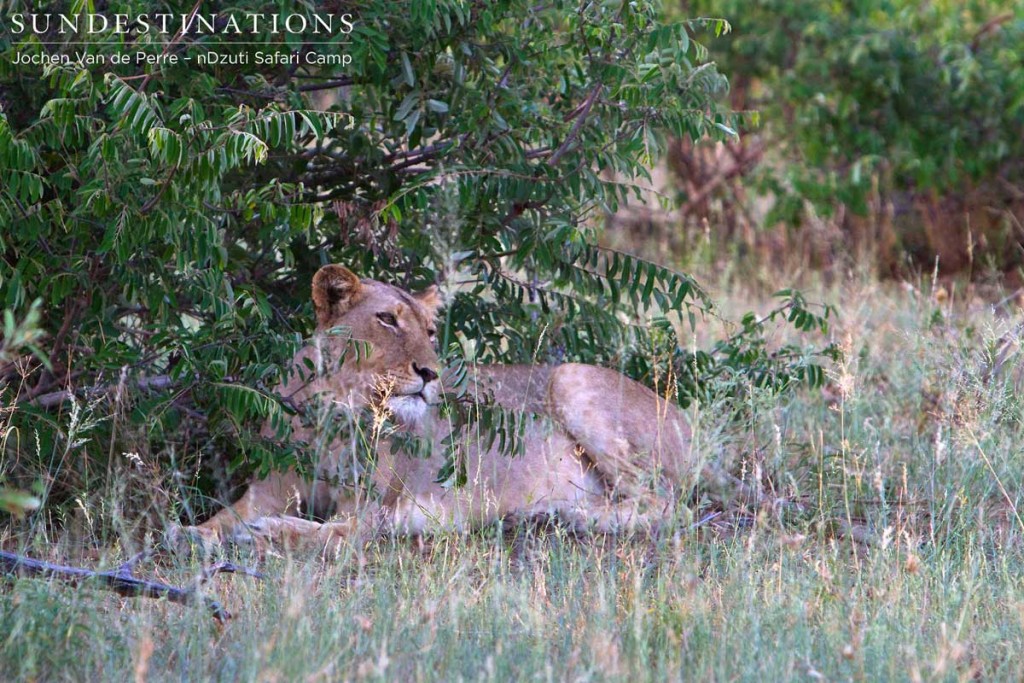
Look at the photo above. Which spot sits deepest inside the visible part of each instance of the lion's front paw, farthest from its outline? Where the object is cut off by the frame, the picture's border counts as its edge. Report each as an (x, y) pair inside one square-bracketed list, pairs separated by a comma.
[(282, 532), (255, 534), (334, 537)]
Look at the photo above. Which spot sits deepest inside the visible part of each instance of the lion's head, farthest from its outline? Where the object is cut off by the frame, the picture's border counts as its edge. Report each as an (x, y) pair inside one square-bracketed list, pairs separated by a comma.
[(401, 370)]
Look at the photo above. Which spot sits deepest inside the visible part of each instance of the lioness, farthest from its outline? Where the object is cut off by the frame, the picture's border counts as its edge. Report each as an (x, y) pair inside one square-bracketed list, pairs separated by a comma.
[(599, 451)]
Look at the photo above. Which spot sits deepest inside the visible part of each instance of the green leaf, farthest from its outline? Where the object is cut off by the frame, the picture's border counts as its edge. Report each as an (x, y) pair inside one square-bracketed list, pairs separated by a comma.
[(437, 106)]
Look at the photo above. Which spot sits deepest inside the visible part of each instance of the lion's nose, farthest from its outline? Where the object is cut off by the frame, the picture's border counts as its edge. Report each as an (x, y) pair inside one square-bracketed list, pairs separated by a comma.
[(427, 374)]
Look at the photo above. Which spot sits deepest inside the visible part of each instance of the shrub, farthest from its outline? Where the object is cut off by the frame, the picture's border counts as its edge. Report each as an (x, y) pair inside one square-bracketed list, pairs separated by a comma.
[(900, 121), (168, 218)]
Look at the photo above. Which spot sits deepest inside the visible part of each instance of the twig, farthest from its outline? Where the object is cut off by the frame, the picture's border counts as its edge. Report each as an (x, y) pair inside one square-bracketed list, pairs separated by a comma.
[(174, 41), (343, 82), (128, 565), (227, 568), (705, 519), (155, 382), (988, 28), (121, 580), (581, 116), (152, 202), (742, 163), (57, 397)]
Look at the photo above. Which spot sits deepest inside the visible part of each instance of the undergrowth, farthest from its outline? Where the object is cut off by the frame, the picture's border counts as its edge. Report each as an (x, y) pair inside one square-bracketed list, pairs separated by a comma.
[(888, 546)]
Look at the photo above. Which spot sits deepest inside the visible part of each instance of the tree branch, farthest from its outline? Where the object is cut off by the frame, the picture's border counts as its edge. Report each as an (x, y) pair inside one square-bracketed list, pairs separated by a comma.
[(57, 397), (173, 41), (328, 85), (581, 117), (155, 382), (121, 580), (743, 162)]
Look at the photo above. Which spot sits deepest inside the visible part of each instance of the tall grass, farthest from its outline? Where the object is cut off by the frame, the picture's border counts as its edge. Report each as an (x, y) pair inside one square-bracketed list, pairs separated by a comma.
[(889, 548)]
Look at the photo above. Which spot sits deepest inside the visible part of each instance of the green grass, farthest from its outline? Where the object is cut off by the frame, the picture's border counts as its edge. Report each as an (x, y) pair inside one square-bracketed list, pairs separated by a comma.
[(749, 608), (890, 549)]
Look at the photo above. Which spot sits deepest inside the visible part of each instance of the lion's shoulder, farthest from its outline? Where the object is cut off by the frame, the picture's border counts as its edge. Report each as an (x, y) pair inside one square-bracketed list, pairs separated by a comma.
[(516, 387)]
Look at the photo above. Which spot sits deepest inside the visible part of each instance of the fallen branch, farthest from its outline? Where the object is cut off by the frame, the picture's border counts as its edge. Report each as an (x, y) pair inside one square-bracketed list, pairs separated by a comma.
[(122, 582)]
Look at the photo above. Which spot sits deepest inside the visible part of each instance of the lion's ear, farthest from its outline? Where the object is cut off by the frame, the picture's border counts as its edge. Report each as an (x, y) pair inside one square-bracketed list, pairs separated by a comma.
[(335, 290), (431, 299)]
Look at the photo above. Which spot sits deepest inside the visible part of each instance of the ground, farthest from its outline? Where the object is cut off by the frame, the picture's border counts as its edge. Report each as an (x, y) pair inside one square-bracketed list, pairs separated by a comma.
[(890, 549)]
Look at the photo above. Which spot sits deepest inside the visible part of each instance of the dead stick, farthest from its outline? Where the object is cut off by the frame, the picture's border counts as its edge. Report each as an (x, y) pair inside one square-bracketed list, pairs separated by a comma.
[(121, 582), (227, 568)]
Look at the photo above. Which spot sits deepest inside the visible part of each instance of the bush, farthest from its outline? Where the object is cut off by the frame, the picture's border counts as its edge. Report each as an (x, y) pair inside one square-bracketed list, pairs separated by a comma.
[(169, 218), (910, 115)]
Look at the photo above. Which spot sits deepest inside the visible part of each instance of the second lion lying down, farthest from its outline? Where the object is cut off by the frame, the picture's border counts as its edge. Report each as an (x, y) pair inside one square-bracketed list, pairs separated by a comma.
[(599, 451)]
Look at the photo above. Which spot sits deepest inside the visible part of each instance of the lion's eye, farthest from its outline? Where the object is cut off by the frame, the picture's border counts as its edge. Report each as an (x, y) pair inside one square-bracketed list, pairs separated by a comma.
[(433, 334), (388, 319)]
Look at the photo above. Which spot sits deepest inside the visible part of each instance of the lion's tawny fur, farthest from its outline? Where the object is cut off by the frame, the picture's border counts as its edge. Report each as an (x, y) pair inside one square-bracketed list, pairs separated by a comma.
[(599, 450)]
